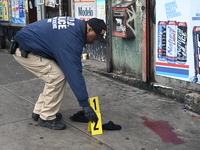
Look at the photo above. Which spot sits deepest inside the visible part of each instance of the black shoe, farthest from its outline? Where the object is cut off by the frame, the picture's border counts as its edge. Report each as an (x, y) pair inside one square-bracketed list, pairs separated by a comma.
[(111, 126), (79, 117), (36, 116), (52, 124)]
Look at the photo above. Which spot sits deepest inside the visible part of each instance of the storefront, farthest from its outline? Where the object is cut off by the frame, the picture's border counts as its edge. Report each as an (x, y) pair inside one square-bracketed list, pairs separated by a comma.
[(15, 14)]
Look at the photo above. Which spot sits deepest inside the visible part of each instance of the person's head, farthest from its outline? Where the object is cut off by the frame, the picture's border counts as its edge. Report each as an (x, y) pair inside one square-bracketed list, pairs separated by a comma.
[(96, 28)]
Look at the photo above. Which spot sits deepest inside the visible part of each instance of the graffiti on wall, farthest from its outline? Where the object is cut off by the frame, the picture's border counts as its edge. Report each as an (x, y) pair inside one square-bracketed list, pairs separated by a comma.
[(131, 19)]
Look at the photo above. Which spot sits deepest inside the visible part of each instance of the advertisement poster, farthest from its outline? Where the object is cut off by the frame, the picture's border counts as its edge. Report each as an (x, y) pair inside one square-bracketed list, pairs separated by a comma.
[(4, 11), (85, 9), (178, 39), (50, 3), (18, 11), (101, 11)]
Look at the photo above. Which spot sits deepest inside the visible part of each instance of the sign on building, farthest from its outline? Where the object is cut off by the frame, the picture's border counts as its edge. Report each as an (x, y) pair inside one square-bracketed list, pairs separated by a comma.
[(85, 9)]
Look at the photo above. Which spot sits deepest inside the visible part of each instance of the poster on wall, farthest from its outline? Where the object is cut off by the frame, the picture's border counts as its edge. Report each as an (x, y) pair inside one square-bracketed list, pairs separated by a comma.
[(85, 9), (178, 39), (4, 11), (50, 3), (101, 12), (18, 11)]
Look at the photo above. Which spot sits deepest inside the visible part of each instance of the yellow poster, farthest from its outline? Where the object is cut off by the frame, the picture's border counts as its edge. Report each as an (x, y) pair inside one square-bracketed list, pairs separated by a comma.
[(5, 10)]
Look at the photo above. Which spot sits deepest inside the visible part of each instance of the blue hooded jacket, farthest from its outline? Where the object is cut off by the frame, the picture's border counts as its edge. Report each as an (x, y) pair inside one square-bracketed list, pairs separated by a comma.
[(61, 39)]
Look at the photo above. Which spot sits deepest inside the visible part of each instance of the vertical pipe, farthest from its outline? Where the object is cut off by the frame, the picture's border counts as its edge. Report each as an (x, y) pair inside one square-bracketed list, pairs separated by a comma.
[(146, 46), (60, 7), (144, 41), (109, 36)]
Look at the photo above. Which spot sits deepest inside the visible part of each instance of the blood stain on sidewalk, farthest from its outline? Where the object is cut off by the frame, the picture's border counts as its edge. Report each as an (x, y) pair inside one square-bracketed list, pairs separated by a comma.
[(164, 130)]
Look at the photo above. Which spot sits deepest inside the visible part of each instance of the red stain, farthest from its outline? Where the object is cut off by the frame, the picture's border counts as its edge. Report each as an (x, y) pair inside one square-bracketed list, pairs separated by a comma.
[(164, 130), (197, 117)]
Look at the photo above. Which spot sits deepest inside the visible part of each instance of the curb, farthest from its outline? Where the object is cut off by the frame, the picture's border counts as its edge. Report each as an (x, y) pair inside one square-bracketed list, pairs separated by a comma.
[(191, 100)]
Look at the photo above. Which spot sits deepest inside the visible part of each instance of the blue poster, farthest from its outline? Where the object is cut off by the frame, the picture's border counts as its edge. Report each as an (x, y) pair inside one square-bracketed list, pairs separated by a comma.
[(18, 11)]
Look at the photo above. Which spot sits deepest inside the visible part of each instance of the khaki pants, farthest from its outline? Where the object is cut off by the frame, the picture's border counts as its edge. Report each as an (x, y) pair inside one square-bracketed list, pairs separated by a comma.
[(49, 101)]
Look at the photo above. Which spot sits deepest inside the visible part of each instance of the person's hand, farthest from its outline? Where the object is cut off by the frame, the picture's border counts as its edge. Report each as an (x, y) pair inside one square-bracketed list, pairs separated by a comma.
[(90, 114)]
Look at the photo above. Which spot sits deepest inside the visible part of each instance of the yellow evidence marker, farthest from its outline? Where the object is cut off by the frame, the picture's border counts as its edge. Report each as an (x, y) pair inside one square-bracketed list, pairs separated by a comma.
[(95, 127)]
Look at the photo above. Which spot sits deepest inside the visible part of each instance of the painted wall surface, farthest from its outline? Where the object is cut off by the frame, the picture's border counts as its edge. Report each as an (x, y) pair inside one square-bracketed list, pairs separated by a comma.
[(96, 51), (127, 53)]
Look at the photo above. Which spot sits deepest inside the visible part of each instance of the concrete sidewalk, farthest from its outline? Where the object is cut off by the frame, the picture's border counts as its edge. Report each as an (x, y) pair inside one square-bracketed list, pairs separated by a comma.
[(148, 121)]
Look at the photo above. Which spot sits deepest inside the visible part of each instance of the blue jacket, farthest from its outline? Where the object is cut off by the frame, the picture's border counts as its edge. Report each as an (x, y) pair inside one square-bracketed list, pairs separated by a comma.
[(61, 39)]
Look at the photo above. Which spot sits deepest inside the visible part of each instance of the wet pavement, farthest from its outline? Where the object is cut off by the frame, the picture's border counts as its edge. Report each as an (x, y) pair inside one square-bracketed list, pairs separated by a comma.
[(149, 121)]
